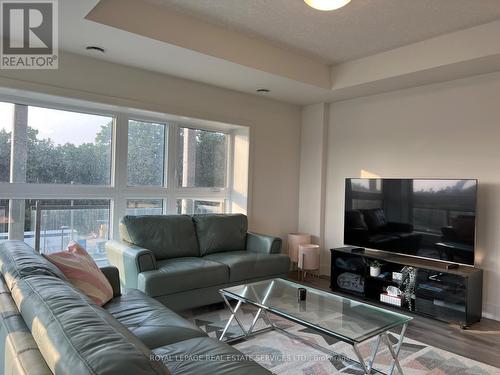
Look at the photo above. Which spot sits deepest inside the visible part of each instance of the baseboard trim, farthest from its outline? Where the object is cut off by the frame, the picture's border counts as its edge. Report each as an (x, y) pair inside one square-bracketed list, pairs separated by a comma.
[(491, 311), (324, 270), (491, 316)]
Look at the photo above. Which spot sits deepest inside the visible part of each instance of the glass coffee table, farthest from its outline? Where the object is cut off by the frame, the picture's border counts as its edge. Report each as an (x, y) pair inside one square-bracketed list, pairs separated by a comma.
[(342, 318)]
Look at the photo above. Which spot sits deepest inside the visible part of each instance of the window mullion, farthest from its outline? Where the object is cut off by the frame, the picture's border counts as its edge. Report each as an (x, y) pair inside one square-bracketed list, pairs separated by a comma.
[(119, 180), (230, 174), (172, 183), (18, 167), (167, 158)]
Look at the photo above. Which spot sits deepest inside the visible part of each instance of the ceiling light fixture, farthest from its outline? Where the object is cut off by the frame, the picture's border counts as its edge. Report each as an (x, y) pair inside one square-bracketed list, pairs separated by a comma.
[(95, 49), (327, 4)]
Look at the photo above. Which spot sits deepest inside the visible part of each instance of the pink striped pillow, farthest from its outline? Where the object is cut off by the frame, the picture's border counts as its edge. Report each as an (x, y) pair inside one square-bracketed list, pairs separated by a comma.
[(81, 270)]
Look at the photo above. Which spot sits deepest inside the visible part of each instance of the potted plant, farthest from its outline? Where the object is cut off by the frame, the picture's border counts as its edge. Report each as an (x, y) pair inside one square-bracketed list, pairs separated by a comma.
[(375, 266)]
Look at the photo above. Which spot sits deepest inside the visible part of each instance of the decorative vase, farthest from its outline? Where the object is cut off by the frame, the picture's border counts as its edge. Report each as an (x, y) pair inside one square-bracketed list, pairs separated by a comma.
[(374, 271)]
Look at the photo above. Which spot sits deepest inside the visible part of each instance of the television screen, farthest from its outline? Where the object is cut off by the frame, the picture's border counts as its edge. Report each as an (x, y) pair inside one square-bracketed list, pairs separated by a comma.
[(425, 218)]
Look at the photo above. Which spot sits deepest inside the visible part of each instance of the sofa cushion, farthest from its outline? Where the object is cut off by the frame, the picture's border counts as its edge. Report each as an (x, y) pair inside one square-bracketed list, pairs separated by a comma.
[(218, 233), (18, 260), (154, 324), (19, 354), (76, 336), (167, 236), (81, 271), (181, 274), (244, 265), (205, 355)]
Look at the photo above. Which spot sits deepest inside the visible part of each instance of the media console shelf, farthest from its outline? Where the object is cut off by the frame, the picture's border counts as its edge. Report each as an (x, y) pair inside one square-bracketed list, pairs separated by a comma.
[(429, 287)]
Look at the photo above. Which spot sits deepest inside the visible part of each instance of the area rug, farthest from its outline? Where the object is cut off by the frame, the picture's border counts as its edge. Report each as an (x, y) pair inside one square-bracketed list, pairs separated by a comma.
[(284, 355)]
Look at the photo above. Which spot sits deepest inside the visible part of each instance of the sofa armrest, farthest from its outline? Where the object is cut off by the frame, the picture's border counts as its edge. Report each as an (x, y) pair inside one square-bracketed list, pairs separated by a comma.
[(113, 276), (130, 260), (260, 243)]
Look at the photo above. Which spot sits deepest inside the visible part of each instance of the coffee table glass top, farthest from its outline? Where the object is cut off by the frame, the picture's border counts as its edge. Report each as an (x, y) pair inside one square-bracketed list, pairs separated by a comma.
[(338, 316)]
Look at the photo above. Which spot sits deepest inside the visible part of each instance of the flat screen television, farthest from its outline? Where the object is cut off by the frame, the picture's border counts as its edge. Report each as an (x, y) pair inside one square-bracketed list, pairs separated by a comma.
[(429, 218)]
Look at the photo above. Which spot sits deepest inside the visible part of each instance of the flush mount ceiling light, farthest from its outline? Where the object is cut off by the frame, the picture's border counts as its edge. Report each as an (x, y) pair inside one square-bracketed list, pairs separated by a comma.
[(327, 4), (95, 49)]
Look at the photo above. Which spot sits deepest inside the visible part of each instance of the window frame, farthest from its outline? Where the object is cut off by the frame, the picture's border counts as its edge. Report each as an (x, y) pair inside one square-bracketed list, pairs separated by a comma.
[(166, 149), (222, 201), (118, 191), (163, 202)]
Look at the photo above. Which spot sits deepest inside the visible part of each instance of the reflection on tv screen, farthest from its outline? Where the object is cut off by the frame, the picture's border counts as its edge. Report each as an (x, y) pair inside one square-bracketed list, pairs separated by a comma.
[(419, 217)]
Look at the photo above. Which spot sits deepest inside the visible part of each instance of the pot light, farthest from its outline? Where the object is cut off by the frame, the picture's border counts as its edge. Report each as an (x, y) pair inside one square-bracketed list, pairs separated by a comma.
[(327, 4), (95, 49)]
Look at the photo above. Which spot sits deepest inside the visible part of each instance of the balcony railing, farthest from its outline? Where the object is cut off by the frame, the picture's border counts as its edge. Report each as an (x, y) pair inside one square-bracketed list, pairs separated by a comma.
[(56, 225)]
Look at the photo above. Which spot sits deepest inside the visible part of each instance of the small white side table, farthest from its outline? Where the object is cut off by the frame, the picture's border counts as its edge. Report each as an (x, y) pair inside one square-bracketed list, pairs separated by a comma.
[(294, 241), (308, 259)]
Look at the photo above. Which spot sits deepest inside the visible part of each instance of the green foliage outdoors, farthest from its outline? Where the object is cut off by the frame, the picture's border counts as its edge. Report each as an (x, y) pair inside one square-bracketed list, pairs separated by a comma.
[(211, 159), (90, 163), (4, 155), (87, 163)]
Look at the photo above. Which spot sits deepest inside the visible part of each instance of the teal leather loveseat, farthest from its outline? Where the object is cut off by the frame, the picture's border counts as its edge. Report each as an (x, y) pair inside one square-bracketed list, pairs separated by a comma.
[(182, 261), (48, 326)]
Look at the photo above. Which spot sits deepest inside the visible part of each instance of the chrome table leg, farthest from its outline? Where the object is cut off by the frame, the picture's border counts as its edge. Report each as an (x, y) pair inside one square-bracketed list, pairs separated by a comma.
[(368, 365), (395, 352), (361, 359), (374, 353), (233, 316), (250, 330)]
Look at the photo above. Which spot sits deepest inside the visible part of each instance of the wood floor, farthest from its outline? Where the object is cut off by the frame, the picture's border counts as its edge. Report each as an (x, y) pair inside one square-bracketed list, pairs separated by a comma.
[(480, 342)]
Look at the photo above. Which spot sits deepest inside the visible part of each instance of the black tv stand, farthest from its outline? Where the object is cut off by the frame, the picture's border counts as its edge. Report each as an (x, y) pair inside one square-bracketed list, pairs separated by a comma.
[(431, 288), (357, 250)]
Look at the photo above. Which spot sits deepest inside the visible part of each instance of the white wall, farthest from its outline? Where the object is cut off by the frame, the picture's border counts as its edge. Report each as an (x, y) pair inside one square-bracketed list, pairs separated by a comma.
[(312, 171), (449, 130), (274, 126)]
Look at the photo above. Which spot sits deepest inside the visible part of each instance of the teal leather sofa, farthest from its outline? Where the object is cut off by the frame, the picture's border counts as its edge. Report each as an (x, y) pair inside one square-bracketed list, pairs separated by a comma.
[(50, 327), (182, 261)]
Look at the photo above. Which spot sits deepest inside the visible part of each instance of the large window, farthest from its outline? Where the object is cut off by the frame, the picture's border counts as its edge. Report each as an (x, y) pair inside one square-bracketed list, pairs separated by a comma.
[(53, 146), (146, 153), (202, 158), (6, 122), (76, 170), (66, 147)]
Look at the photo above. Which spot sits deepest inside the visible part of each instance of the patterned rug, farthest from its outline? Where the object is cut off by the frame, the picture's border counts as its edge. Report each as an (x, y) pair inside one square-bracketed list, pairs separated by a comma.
[(284, 355)]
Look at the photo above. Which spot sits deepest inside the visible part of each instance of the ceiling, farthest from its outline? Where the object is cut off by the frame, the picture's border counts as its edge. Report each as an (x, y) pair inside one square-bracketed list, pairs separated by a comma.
[(362, 28), (259, 29), (127, 48)]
